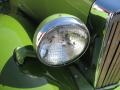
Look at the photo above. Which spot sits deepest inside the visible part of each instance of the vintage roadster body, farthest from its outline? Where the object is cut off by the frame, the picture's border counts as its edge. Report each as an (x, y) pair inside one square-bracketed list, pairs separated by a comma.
[(26, 64)]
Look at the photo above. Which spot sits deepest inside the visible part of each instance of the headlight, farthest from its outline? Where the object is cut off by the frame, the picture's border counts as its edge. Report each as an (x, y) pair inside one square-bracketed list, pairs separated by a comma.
[(60, 40)]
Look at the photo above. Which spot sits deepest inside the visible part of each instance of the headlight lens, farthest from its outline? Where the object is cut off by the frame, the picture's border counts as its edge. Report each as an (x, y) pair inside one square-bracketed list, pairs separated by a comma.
[(63, 42)]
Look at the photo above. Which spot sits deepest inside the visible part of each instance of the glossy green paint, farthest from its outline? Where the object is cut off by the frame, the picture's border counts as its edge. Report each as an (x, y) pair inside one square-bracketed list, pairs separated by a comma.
[(35, 76), (97, 25), (32, 75), (12, 35), (118, 88), (26, 23), (81, 81), (40, 9), (45, 87), (101, 18)]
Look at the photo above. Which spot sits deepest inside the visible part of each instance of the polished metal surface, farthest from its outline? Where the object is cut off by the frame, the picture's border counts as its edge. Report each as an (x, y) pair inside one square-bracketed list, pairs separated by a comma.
[(61, 41), (101, 15), (110, 60), (63, 44), (110, 6)]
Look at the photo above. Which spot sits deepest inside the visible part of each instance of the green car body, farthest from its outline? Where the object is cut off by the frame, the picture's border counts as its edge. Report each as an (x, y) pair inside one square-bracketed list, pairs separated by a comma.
[(17, 28)]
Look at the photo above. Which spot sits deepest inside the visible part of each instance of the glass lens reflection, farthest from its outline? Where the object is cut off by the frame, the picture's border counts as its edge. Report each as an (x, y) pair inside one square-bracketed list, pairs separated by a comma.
[(62, 44)]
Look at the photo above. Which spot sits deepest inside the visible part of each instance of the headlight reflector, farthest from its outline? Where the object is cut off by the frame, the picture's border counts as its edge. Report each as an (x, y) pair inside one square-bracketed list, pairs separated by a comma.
[(61, 41)]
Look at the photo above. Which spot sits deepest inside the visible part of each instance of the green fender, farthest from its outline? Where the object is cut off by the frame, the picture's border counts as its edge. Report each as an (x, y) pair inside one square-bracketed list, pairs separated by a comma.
[(12, 35), (40, 9), (32, 75)]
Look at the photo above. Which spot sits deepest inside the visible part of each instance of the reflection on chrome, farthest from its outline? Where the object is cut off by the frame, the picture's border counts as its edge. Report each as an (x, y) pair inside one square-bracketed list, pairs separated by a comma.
[(63, 44)]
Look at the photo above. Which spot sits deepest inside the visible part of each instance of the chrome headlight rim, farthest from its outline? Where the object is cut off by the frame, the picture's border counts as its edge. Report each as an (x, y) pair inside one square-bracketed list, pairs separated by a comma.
[(50, 26), (68, 62)]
